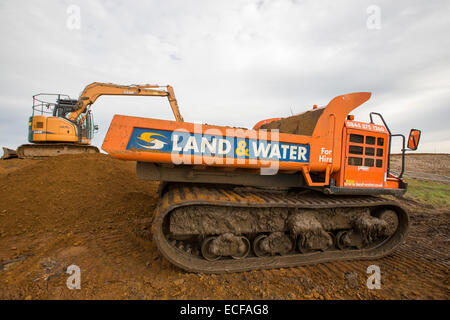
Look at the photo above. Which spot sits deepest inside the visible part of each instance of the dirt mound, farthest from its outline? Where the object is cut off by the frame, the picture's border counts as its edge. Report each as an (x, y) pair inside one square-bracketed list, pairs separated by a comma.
[(10, 165), (72, 188), (58, 210)]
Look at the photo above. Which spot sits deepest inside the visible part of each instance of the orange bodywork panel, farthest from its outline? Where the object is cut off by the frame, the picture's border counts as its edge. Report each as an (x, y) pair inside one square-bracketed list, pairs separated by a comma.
[(122, 142), (365, 155), (53, 129)]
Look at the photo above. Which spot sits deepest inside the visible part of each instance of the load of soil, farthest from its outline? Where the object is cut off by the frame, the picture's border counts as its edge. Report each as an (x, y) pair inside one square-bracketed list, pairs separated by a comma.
[(303, 123), (93, 212)]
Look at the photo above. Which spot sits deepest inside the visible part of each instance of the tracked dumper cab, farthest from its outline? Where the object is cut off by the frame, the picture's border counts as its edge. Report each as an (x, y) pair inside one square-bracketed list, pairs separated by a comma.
[(291, 191)]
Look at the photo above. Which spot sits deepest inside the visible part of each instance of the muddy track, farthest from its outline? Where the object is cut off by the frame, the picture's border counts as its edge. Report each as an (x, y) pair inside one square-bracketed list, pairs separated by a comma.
[(192, 196)]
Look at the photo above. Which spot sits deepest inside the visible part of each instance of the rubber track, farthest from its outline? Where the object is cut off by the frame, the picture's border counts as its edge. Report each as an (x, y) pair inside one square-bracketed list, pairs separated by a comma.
[(181, 195)]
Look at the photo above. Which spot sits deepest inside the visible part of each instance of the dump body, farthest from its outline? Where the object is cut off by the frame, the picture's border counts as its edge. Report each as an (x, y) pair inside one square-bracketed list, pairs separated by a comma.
[(319, 149)]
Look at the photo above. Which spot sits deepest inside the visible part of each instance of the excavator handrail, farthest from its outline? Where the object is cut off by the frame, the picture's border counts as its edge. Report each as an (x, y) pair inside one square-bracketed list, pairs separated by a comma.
[(39, 103)]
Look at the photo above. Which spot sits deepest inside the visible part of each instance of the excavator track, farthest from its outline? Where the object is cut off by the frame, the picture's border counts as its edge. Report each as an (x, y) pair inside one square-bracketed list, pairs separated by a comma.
[(194, 200), (44, 150)]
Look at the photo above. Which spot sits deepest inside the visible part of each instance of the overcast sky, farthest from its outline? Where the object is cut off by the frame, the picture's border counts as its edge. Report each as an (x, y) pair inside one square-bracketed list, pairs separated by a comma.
[(231, 62)]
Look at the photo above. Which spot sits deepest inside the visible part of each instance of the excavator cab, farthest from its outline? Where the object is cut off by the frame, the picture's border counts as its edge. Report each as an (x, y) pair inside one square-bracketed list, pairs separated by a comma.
[(63, 107), (86, 125)]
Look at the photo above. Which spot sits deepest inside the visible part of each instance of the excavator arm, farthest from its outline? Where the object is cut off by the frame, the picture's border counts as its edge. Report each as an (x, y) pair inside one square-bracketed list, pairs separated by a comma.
[(94, 90)]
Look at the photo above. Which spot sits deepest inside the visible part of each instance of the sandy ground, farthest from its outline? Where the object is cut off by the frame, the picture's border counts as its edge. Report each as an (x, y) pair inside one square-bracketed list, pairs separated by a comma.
[(93, 212)]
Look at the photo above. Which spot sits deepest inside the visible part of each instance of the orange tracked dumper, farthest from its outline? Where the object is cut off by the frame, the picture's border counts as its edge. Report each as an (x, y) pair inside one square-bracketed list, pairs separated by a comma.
[(290, 191)]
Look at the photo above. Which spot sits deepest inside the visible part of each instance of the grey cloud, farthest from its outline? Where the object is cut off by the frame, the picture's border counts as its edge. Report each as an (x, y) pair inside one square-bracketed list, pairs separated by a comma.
[(231, 62)]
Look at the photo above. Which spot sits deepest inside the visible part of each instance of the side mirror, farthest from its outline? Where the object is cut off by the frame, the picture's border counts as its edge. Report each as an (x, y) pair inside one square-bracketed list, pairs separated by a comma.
[(413, 140)]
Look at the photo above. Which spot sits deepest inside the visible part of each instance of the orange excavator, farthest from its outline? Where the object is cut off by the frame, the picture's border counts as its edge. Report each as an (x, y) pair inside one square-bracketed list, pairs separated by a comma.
[(61, 125), (291, 191)]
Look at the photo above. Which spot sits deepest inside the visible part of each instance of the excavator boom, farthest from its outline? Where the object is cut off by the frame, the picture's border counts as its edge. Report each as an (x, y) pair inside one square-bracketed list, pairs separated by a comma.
[(93, 91)]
